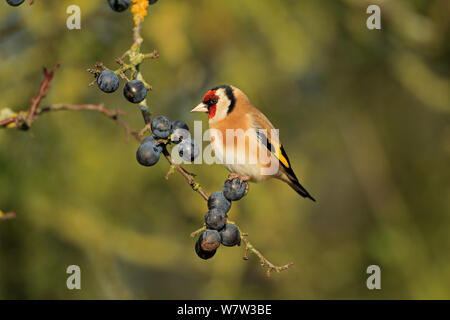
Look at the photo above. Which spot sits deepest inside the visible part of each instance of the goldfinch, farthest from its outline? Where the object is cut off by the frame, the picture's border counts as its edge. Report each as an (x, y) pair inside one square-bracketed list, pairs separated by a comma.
[(244, 140)]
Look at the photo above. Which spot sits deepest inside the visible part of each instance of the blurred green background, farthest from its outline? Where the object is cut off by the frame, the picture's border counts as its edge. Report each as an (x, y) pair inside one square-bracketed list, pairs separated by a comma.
[(364, 117)]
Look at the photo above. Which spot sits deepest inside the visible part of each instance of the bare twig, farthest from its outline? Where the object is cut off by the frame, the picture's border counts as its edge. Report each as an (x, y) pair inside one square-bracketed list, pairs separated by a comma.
[(24, 120), (188, 176), (136, 58), (264, 262), (6, 122), (198, 231), (7, 215), (112, 114), (170, 172), (45, 86), (146, 114)]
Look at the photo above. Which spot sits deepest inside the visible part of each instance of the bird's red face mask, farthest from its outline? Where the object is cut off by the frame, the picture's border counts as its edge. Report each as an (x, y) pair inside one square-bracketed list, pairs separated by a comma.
[(209, 104)]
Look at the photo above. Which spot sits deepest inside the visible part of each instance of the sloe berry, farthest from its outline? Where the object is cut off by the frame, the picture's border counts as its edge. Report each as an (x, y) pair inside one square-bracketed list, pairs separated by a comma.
[(188, 150), (15, 3), (119, 5), (234, 190), (202, 253), (209, 240), (218, 201), (148, 154), (135, 91), (153, 141), (161, 127), (215, 219), (230, 235), (180, 131), (108, 81)]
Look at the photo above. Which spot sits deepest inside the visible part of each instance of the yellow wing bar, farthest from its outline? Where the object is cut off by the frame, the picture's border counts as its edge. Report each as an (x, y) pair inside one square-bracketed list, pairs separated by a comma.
[(280, 156)]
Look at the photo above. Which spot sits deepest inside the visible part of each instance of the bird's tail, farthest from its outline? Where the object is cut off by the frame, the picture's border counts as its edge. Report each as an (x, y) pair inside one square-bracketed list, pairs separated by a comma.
[(295, 184), (300, 190)]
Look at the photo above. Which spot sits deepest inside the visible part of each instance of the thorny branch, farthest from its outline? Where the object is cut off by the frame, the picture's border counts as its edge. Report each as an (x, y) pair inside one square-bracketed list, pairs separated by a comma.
[(45, 86), (24, 120), (134, 52)]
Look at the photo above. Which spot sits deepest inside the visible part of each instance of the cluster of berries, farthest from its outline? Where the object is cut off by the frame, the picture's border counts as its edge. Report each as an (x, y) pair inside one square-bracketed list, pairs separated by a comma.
[(164, 132), (134, 91), (218, 230), (15, 3), (119, 5)]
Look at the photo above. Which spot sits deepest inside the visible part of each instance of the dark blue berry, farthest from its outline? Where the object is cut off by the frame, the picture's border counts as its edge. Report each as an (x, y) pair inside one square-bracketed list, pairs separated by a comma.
[(119, 5), (180, 131), (215, 219), (15, 3), (108, 81), (230, 235), (218, 201), (135, 91), (152, 1), (148, 153), (153, 141), (209, 240), (188, 150), (161, 127), (234, 190), (202, 253)]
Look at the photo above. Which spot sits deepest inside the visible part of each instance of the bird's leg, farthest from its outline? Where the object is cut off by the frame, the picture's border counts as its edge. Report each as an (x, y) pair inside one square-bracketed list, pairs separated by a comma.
[(233, 175)]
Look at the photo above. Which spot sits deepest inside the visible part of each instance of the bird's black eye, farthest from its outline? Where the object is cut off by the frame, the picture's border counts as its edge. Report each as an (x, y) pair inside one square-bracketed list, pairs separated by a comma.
[(212, 102)]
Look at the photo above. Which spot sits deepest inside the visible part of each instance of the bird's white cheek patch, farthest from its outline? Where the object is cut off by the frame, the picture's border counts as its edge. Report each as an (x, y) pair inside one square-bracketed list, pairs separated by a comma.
[(221, 107)]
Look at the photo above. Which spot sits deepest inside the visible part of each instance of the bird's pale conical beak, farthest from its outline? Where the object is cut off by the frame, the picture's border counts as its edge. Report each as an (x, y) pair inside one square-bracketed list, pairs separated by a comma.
[(200, 108)]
